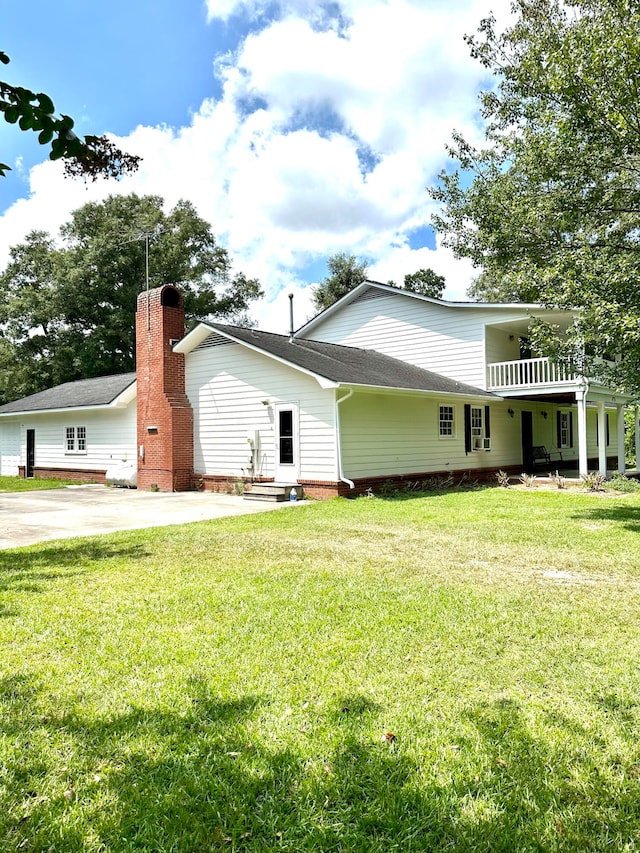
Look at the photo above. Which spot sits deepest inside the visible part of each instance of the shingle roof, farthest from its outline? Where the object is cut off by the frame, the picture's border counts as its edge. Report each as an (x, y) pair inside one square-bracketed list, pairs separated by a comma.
[(85, 392), (348, 365)]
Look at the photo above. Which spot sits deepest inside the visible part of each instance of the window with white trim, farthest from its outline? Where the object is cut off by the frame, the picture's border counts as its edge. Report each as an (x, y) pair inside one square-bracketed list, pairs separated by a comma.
[(565, 430), (75, 439), (479, 438), (447, 421)]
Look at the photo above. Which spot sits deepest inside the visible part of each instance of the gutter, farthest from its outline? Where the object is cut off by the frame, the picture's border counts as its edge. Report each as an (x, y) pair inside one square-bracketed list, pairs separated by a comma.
[(341, 476)]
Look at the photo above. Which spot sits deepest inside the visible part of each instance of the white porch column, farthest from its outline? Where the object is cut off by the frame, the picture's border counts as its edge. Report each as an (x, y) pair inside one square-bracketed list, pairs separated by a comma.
[(602, 439), (581, 400), (621, 434), (637, 425)]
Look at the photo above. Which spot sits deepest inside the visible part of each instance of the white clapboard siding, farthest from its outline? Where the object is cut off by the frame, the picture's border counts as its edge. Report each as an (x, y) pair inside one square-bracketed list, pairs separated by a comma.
[(593, 436), (111, 437), (9, 447), (227, 386), (447, 339), (385, 435), (501, 346)]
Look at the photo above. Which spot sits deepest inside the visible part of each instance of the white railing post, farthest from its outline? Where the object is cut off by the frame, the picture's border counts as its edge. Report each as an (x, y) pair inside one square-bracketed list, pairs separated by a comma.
[(527, 373)]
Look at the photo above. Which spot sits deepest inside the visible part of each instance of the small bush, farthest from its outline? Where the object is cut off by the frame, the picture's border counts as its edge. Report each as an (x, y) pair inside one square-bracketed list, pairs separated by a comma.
[(594, 481), (503, 479), (528, 480), (557, 480), (620, 483)]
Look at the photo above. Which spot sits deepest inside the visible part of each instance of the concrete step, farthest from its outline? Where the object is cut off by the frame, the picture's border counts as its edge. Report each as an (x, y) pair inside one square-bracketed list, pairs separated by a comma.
[(272, 492)]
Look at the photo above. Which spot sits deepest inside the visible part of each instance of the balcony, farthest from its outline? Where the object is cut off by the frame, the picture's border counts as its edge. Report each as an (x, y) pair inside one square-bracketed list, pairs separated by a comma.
[(528, 373)]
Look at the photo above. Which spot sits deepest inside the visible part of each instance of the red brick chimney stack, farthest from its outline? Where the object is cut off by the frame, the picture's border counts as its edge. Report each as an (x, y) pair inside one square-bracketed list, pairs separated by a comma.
[(165, 416)]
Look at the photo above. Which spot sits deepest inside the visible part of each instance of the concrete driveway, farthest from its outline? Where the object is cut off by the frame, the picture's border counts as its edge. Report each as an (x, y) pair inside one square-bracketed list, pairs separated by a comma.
[(30, 517)]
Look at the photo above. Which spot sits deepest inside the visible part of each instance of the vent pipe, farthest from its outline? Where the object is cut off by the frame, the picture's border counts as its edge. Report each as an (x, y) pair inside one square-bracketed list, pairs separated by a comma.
[(291, 318)]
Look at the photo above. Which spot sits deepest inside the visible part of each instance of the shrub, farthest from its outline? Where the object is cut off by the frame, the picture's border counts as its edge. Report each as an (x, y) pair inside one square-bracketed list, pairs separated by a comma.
[(503, 479), (594, 481), (528, 480), (557, 480), (620, 483)]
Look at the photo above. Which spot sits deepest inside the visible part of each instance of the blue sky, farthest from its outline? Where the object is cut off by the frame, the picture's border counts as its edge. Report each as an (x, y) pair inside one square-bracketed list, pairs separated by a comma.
[(298, 128)]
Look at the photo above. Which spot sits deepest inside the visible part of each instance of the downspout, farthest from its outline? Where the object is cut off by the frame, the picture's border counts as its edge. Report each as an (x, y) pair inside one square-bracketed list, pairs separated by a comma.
[(341, 478)]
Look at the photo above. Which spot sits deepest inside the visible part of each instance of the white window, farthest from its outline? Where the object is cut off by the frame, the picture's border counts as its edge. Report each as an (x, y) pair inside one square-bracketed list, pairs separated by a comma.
[(564, 430), (447, 420), (479, 438), (76, 439)]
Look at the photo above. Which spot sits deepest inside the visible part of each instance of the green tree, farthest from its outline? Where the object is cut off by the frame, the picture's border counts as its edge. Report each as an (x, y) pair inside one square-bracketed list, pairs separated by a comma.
[(425, 282), (92, 156), (346, 272), (492, 287), (68, 311), (550, 207)]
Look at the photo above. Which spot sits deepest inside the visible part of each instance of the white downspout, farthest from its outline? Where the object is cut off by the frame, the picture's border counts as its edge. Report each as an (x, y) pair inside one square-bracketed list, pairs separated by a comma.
[(341, 477), (621, 435)]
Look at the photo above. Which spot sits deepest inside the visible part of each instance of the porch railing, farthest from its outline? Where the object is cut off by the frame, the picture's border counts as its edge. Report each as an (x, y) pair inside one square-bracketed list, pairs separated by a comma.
[(527, 373)]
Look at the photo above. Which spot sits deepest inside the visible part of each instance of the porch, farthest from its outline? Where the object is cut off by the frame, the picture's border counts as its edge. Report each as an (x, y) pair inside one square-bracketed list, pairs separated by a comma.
[(542, 380)]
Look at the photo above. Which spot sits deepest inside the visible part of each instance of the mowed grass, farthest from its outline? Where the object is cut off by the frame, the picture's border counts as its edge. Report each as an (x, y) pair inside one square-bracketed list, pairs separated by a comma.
[(20, 484), (451, 672)]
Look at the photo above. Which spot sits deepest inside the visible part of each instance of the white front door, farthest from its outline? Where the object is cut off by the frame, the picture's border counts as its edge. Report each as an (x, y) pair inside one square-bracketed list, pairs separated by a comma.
[(286, 450)]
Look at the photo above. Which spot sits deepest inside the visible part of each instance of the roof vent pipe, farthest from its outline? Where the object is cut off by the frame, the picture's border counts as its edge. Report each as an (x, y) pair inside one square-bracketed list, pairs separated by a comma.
[(291, 318)]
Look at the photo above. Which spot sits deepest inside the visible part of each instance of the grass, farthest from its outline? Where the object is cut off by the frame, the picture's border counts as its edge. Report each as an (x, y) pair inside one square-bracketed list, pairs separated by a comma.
[(20, 484), (453, 672)]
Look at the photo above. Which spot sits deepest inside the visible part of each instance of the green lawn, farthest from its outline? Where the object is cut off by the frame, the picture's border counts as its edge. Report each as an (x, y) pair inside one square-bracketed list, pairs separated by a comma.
[(20, 484), (454, 672)]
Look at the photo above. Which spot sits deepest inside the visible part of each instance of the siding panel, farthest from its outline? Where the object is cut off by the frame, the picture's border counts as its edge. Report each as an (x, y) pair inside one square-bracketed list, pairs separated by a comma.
[(446, 339), (227, 386), (111, 437)]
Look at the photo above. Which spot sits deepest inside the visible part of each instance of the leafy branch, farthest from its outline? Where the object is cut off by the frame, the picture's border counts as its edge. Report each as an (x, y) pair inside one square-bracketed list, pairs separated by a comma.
[(91, 156)]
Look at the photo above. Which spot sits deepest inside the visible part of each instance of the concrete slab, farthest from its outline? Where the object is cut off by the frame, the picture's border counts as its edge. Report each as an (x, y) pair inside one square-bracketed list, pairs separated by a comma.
[(27, 518)]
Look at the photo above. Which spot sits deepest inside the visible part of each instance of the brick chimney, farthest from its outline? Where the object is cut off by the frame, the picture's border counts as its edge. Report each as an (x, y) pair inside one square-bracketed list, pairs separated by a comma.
[(165, 416)]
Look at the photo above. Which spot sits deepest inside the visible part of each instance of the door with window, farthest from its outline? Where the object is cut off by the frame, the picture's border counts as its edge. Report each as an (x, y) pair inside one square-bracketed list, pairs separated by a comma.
[(286, 450), (31, 452)]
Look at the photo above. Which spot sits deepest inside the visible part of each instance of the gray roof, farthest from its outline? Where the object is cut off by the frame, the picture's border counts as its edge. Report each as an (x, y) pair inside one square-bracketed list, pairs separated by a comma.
[(349, 365), (85, 392)]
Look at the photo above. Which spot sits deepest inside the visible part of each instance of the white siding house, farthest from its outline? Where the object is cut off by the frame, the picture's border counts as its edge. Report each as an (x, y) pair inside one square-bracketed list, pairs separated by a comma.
[(241, 400), (53, 433), (384, 385), (487, 346)]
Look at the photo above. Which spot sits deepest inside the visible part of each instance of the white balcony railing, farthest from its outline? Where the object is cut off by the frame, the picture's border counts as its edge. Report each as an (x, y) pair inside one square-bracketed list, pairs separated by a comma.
[(527, 373)]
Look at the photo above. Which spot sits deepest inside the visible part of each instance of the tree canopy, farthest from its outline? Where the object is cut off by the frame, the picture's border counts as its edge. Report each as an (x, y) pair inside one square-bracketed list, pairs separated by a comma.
[(346, 272), (425, 282), (68, 308), (92, 156), (549, 209)]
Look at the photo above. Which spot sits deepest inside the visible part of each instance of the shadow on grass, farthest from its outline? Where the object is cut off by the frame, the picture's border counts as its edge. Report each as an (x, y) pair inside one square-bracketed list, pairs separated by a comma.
[(208, 778), (627, 516), (25, 570)]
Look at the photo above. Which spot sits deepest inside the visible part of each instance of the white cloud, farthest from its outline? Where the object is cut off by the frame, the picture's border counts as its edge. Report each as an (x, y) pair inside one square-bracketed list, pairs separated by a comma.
[(327, 133)]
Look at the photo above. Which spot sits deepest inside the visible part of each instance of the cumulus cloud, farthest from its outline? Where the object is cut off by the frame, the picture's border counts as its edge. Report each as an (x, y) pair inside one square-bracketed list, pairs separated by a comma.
[(331, 122)]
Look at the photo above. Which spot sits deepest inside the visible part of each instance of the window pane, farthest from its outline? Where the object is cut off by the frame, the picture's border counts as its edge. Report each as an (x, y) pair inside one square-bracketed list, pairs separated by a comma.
[(286, 423), (286, 451), (446, 420)]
